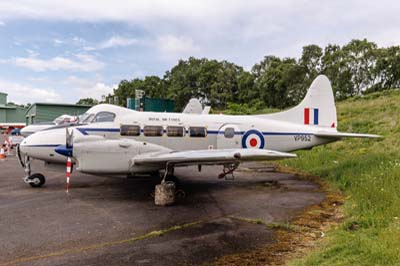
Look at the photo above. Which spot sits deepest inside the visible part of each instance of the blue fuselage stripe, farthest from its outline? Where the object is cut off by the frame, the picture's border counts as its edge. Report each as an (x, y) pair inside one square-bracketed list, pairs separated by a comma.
[(44, 145), (85, 130)]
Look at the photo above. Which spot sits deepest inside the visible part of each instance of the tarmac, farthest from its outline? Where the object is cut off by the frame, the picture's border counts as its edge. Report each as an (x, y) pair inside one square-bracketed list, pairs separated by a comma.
[(113, 221)]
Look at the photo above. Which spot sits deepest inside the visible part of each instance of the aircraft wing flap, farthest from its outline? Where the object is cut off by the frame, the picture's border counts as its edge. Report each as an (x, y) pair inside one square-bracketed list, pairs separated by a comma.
[(217, 156), (338, 135)]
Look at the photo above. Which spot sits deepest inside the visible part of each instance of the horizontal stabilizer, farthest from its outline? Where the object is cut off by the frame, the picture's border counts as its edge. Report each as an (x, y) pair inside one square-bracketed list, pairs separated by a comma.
[(338, 135), (218, 156)]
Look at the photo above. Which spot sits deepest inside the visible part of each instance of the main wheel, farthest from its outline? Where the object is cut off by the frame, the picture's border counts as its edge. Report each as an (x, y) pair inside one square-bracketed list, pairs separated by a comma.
[(37, 180)]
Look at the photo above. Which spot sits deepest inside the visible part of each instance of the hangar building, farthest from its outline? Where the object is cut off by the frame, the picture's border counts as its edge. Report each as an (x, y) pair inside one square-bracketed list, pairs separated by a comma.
[(10, 113), (45, 112)]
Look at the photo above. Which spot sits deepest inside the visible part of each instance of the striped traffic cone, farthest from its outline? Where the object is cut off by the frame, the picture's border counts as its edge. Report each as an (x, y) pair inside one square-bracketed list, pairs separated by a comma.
[(8, 147)]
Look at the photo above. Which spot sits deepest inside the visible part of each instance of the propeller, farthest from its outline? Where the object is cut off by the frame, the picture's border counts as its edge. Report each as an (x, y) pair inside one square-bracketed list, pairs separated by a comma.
[(67, 151), (69, 138)]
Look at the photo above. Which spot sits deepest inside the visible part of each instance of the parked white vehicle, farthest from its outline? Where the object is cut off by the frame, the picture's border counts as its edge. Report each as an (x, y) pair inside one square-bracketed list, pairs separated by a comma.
[(15, 137), (63, 119)]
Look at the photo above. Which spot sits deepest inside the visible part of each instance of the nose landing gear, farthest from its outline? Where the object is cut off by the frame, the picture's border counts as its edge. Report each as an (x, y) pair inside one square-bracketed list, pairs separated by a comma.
[(35, 180)]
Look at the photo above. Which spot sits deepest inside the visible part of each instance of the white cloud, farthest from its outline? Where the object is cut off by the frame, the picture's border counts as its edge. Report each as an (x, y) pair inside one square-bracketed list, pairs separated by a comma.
[(88, 88), (117, 41), (78, 41), (22, 93), (81, 62), (176, 45), (239, 31), (96, 91), (2, 23), (57, 42), (32, 53), (89, 48)]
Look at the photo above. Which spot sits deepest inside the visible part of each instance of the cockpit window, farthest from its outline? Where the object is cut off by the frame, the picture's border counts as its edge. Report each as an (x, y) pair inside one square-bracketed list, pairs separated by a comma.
[(86, 118), (104, 117)]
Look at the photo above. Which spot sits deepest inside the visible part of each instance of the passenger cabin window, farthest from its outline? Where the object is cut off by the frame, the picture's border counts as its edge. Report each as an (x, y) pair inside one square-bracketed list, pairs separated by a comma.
[(229, 132), (130, 130), (197, 132), (153, 131), (173, 131), (104, 117)]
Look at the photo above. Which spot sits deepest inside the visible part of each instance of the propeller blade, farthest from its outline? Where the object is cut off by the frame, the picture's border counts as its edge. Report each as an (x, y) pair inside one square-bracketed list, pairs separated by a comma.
[(69, 138), (69, 170)]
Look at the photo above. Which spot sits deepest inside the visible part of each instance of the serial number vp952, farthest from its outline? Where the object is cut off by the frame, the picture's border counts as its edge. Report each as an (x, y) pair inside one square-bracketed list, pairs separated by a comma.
[(303, 138)]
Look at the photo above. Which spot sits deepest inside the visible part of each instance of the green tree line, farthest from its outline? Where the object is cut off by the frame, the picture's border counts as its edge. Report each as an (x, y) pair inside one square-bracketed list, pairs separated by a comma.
[(356, 68)]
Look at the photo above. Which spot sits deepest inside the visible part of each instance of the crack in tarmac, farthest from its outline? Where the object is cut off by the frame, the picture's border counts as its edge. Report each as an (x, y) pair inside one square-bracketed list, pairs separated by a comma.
[(112, 243)]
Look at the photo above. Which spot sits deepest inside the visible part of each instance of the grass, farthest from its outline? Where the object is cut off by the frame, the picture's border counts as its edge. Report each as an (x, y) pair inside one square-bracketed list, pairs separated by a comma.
[(367, 172)]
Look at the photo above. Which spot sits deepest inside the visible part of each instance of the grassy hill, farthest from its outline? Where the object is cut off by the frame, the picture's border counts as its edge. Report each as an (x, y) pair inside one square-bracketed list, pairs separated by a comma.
[(368, 174)]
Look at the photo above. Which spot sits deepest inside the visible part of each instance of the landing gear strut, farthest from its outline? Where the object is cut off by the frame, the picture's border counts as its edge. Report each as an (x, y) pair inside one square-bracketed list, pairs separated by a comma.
[(227, 171), (35, 180), (169, 172)]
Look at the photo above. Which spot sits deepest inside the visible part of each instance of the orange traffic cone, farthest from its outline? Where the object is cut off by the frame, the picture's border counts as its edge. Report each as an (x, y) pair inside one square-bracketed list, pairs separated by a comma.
[(8, 148), (2, 154)]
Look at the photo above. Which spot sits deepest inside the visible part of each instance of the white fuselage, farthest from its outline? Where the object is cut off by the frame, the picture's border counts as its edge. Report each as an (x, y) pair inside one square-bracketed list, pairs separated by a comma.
[(220, 132)]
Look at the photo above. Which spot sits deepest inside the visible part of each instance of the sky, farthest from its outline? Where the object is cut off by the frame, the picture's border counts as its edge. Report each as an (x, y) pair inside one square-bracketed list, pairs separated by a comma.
[(61, 51)]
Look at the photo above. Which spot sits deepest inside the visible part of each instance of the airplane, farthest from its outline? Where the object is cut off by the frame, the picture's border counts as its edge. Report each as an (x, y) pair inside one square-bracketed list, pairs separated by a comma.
[(193, 107), (63, 119), (121, 141)]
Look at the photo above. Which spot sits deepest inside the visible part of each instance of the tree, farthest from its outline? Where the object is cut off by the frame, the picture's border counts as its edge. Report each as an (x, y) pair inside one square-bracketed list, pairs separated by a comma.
[(334, 66), (88, 101), (357, 67), (387, 70), (311, 62), (279, 81), (213, 82), (361, 58)]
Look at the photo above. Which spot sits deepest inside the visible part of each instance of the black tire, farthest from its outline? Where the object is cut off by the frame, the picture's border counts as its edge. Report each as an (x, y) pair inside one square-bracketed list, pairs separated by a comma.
[(38, 179)]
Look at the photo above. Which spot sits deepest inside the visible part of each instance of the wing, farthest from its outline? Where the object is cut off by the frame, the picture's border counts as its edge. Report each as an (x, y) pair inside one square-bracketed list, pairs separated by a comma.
[(339, 135), (218, 156)]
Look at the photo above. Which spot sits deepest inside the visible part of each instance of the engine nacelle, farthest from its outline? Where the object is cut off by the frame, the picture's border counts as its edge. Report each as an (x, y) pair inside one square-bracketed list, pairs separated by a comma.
[(96, 155)]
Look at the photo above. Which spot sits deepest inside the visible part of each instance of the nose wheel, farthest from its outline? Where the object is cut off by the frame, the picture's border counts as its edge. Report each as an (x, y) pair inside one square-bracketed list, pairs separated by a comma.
[(35, 180)]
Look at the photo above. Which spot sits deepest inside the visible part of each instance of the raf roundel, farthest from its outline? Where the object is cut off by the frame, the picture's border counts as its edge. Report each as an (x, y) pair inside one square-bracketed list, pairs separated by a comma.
[(253, 139)]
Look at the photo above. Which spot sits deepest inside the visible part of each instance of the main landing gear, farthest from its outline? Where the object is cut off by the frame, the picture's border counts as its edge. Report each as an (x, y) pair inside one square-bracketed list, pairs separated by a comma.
[(35, 180), (227, 171)]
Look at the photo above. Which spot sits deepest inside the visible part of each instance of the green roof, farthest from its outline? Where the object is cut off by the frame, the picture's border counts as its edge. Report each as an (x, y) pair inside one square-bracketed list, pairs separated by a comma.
[(58, 104), (2, 106), (63, 104)]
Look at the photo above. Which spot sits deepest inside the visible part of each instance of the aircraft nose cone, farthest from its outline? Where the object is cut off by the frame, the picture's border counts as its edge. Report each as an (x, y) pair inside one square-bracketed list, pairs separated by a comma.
[(41, 145), (24, 145)]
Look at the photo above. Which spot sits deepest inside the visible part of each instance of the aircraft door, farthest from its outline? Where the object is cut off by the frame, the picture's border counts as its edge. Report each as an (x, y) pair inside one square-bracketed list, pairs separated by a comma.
[(229, 137)]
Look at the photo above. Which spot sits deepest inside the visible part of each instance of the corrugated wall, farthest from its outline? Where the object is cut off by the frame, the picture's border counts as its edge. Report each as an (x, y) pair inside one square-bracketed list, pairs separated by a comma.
[(3, 98), (3, 117), (159, 105), (47, 113)]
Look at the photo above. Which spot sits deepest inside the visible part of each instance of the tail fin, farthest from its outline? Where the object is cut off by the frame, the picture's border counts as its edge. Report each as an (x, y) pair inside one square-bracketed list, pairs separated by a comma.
[(317, 108)]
